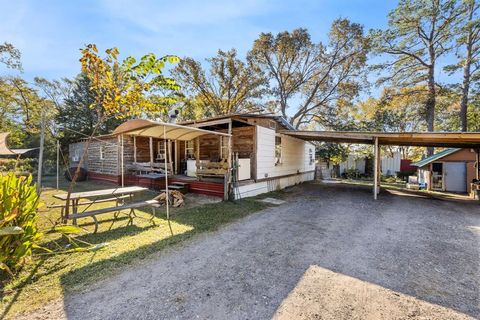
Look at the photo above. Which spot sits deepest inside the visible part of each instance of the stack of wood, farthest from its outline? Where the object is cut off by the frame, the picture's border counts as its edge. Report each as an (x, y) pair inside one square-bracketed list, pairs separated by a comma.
[(175, 198)]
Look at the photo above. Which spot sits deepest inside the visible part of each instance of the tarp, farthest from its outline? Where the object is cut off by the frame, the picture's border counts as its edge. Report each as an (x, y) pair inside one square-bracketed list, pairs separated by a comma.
[(161, 130), (6, 151)]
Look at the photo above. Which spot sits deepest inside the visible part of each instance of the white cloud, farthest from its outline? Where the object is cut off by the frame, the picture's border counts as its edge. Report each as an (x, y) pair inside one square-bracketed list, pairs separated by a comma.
[(157, 15)]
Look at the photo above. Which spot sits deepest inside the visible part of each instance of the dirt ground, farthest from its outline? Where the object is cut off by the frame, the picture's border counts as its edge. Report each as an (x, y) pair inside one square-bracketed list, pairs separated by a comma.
[(329, 252)]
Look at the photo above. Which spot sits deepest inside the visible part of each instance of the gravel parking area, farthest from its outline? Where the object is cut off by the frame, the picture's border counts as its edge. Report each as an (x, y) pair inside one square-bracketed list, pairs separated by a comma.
[(329, 252)]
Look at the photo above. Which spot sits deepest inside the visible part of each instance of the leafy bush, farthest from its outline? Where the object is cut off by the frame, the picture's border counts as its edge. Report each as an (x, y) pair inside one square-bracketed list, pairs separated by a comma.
[(18, 166), (389, 179), (352, 174), (18, 220)]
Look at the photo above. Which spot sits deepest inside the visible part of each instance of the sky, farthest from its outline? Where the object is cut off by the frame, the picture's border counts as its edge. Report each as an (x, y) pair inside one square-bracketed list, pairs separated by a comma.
[(50, 33)]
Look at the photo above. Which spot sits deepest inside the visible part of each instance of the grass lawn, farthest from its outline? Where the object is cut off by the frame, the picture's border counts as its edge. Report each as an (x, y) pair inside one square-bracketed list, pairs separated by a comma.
[(50, 277)]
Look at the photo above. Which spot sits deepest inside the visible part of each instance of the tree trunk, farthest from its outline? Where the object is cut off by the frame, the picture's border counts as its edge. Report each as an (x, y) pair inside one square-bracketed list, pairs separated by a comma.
[(464, 101), (466, 76), (430, 104)]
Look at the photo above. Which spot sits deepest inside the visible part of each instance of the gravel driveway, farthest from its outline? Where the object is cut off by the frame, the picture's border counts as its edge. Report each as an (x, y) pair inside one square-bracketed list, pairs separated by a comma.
[(330, 252)]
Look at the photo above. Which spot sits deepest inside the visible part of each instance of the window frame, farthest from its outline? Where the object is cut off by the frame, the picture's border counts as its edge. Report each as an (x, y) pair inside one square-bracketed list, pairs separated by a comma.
[(102, 152), (278, 150)]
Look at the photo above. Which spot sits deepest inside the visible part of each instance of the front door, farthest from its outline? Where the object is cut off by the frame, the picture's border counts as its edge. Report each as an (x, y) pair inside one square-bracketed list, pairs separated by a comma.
[(455, 176)]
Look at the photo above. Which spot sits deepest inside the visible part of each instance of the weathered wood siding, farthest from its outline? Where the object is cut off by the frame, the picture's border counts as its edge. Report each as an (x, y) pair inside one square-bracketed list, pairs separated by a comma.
[(295, 155), (108, 165), (209, 147)]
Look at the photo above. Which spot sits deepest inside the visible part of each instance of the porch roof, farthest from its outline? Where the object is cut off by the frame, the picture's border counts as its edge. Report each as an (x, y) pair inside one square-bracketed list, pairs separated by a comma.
[(161, 130)]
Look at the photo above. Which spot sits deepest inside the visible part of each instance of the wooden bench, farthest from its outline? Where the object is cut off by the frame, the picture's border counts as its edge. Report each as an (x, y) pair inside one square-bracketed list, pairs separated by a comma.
[(212, 170), (147, 167), (117, 209)]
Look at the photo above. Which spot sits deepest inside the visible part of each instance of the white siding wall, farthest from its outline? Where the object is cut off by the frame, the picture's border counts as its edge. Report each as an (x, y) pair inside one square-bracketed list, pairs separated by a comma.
[(257, 188), (391, 165), (295, 155)]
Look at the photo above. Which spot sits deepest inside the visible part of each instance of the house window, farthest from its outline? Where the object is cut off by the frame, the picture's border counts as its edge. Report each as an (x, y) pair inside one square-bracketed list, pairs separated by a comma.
[(76, 155), (223, 148), (310, 156), (190, 150), (161, 150), (278, 150), (102, 152)]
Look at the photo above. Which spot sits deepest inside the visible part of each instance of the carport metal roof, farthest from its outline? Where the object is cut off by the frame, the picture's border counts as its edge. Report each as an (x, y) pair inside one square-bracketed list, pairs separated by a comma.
[(421, 139)]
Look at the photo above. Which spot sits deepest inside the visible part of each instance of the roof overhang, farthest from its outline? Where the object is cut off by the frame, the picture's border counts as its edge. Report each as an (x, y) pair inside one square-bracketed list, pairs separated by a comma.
[(421, 139), (161, 130)]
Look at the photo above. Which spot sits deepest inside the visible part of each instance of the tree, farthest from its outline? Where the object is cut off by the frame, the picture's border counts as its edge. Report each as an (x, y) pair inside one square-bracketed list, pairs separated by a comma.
[(76, 118), (418, 34), (310, 77), (10, 56), (231, 86), (394, 111), (468, 54), (123, 89), (128, 88)]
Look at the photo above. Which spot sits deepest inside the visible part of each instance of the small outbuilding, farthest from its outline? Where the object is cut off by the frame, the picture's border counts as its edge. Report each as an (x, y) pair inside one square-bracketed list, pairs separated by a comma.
[(452, 170)]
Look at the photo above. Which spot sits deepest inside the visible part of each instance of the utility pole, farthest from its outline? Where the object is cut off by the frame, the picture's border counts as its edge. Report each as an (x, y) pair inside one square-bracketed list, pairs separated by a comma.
[(40, 156)]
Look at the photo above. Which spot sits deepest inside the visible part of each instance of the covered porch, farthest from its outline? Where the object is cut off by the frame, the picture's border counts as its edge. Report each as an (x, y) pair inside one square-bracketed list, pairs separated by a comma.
[(154, 155)]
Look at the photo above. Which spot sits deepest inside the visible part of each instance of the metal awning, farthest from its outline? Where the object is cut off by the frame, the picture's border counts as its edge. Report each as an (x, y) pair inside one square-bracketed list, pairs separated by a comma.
[(420, 139), (161, 130), (6, 151)]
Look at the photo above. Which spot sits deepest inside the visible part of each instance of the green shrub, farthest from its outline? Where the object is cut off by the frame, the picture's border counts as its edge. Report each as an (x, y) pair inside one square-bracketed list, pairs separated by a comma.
[(20, 166), (352, 174), (389, 179), (18, 220)]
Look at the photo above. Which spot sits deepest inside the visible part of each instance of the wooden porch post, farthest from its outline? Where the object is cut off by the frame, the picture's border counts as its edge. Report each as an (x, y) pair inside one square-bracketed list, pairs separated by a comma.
[(151, 152), (177, 158), (197, 154), (376, 168), (477, 172), (134, 149), (122, 159), (228, 177), (169, 153)]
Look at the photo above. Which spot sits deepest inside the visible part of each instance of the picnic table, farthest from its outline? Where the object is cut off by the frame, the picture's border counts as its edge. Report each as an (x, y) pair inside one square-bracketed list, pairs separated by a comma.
[(95, 196)]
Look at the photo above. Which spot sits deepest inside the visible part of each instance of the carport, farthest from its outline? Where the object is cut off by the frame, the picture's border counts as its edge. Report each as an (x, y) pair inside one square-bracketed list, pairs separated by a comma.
[(377, 139)]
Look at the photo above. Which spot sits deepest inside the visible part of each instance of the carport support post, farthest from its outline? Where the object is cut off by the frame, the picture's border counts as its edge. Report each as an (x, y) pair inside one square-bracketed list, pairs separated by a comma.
[(376, 169)]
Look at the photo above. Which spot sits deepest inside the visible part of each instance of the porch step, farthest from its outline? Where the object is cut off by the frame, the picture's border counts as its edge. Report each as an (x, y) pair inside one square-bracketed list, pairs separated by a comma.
[(175, 187), (182, 189), (178, 183)]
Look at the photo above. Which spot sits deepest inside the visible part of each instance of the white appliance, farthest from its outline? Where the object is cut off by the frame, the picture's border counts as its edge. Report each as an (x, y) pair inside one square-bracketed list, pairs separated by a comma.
[(244, 169), (191, 168)]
